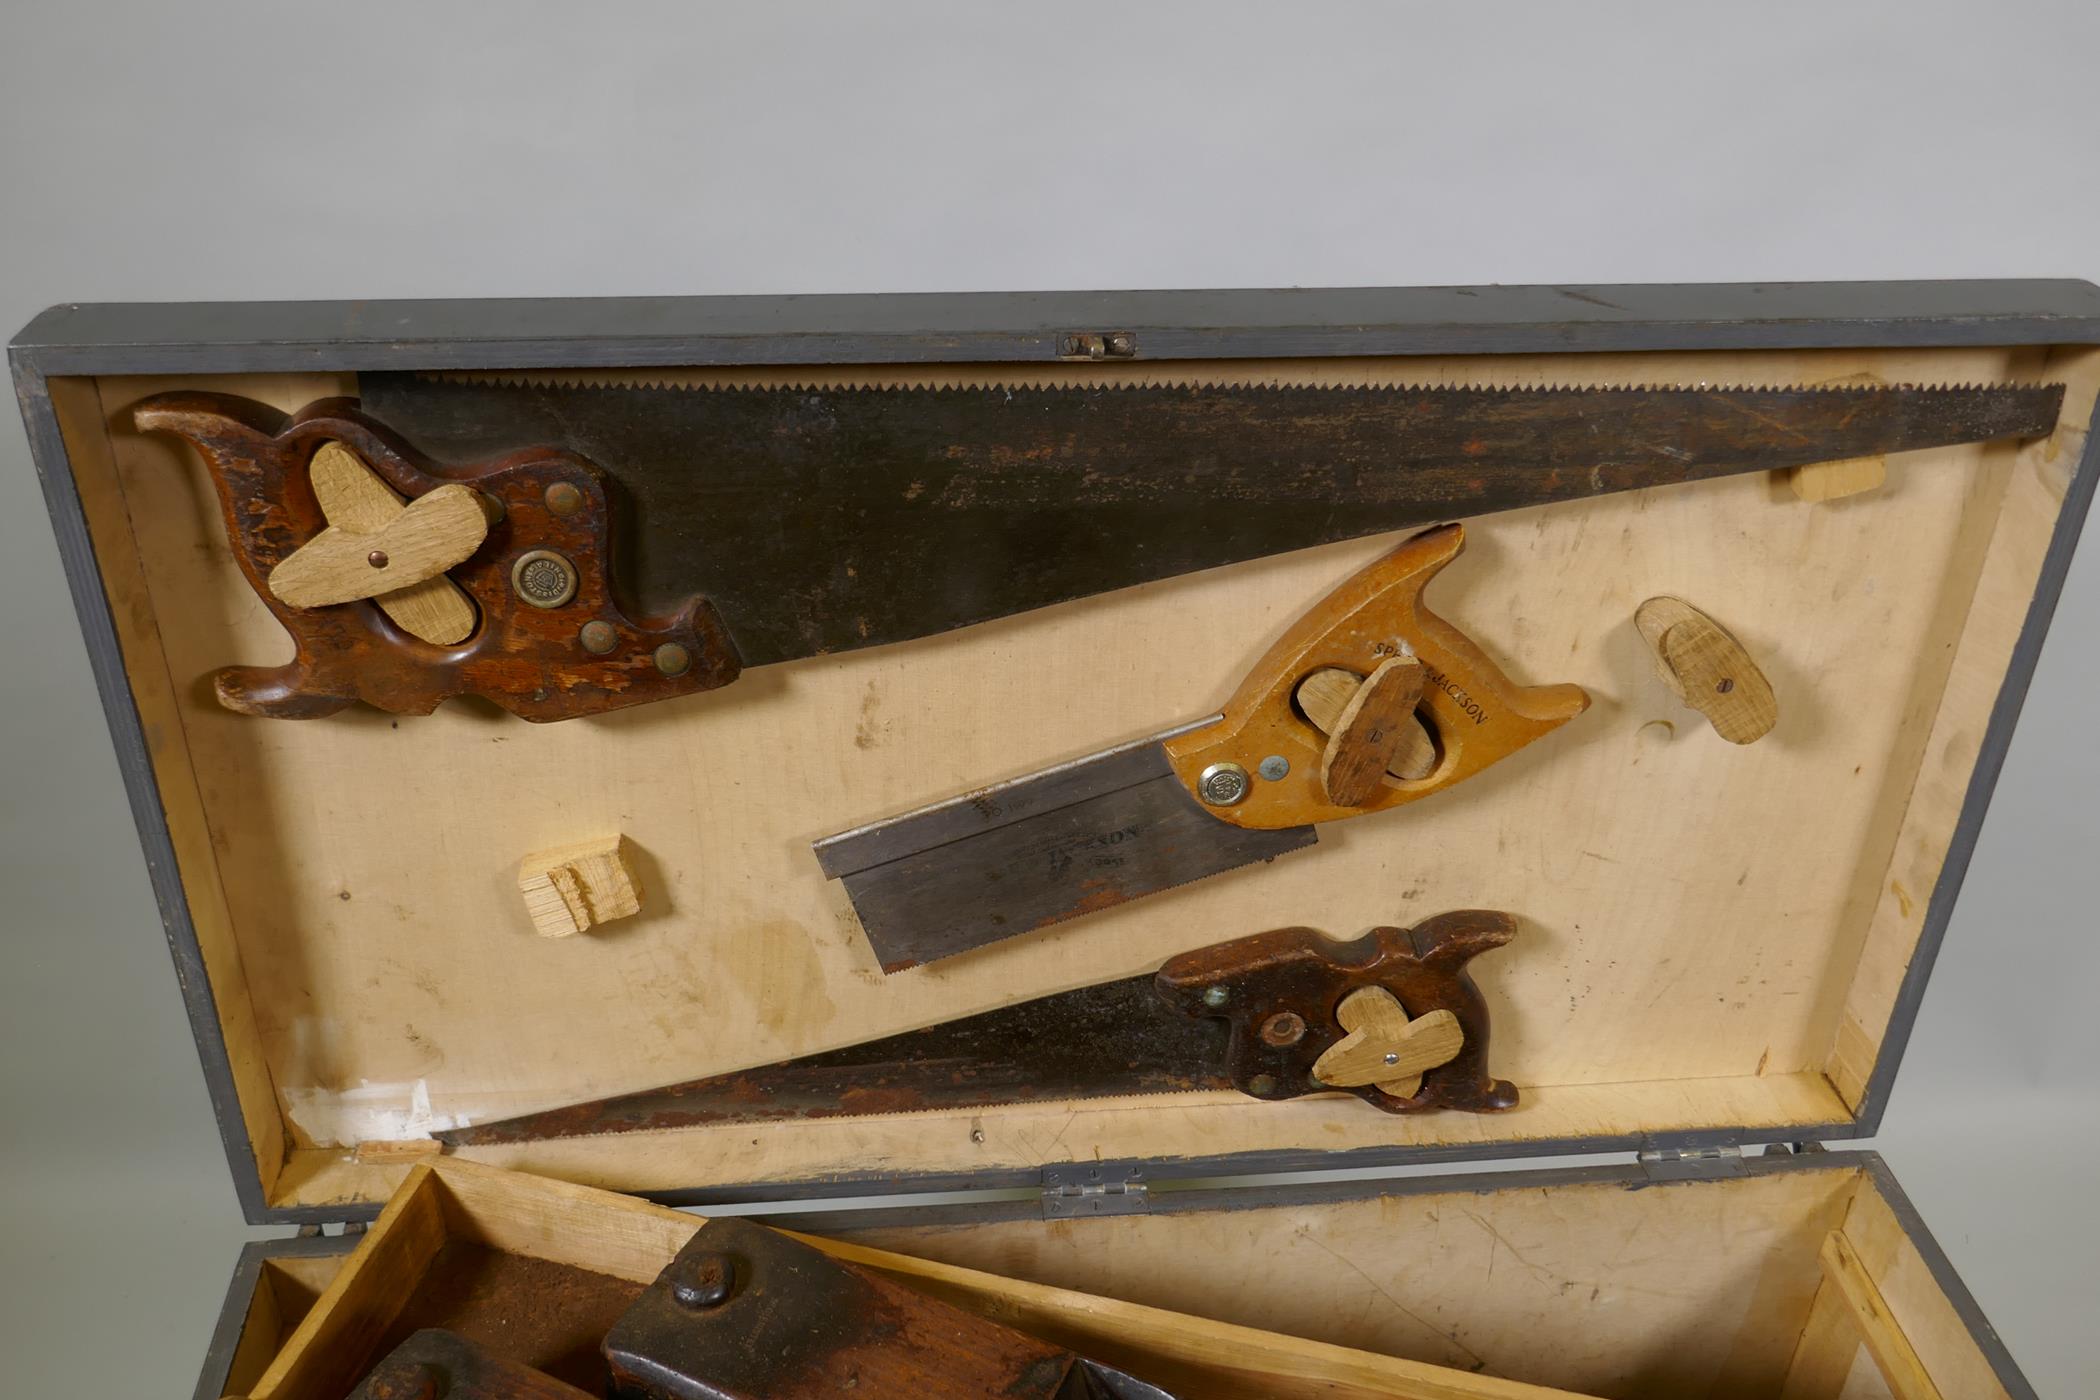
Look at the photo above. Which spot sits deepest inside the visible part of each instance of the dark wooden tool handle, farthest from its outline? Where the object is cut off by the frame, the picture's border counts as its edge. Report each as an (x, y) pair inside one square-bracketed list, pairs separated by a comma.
[(1281, 992), (583, 655)]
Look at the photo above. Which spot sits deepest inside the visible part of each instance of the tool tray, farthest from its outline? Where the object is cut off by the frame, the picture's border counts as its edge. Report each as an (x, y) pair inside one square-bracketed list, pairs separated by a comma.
[(1721, 946)]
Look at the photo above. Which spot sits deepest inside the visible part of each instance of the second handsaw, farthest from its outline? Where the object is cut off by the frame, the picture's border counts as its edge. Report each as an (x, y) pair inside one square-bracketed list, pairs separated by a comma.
[(1392, 1016)]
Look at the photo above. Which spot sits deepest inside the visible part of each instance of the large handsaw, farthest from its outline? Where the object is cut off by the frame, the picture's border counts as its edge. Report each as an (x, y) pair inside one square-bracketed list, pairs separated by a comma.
[(638, 540), (1392, 1017)]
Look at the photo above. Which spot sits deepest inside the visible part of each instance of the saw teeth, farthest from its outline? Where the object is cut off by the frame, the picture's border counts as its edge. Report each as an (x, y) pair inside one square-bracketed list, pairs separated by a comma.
[(1058, 379)]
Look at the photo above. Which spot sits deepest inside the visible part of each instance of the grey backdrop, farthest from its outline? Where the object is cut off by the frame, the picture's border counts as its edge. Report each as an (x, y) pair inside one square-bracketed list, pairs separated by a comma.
[(221, 150)]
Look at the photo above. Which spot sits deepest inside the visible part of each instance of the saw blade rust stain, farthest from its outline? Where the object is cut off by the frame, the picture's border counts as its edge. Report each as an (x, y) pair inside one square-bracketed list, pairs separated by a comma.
[(1114, 1040)]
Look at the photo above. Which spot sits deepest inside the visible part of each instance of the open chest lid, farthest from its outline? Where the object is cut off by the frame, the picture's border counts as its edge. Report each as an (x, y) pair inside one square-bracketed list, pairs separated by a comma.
[(1717, 944)]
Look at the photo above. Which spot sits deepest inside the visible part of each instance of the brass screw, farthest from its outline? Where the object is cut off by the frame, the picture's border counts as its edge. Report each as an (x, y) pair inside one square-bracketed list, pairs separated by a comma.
[(1262, 1085), (543, 579), (1284, 1028), (1727, 684), (673, 659), (377, 558), (563, 498), (598, 637)]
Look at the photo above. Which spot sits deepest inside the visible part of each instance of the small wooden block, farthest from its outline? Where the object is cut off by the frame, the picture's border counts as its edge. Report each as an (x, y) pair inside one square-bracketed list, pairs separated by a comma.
[(1370, 730), (418, 542), (570, 889), (421, 541), (1706, 667), (1326, 693), (1830, 481), (1384, 1047)]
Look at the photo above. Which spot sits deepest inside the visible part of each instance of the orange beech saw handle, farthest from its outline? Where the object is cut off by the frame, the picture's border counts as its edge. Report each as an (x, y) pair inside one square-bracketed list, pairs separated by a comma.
[(1474, 712)]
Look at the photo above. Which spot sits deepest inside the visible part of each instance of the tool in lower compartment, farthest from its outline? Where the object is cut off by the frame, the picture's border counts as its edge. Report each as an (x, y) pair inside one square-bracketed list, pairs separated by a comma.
[(1275, 1015), (748, 1313), (437, 1365), (1248, 785), (758, 523)]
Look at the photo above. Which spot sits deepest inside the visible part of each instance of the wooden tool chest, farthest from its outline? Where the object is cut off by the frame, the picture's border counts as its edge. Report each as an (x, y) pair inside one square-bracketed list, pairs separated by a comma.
[(1725, 918)]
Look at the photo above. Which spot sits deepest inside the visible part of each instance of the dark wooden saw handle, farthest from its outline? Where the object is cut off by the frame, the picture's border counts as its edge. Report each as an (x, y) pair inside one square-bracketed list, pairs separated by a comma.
[(584, 656), (1260, 983)]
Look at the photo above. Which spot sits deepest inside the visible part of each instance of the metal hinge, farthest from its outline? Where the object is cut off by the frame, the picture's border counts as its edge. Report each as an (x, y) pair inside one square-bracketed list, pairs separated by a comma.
[(1691, 1163), (1097, 345), (1094, 1188)]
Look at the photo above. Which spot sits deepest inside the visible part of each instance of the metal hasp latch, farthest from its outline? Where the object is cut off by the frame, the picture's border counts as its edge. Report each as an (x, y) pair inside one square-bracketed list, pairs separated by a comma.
[(350, 1228), (1691, 1163), (745, 1312), (1097, 345), (1094, 1188)]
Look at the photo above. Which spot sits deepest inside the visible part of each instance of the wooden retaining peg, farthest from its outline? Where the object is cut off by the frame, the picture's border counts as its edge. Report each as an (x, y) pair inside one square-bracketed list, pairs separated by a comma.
[(376, 547), (1372, 728), (1706, 667), (1324, 698), (572, 888), (1384, 1047), (1831, 481)]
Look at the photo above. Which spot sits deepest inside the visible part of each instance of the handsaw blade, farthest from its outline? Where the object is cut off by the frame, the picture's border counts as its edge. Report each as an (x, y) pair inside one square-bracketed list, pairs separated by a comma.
[(1075, 839), (1113, 1039), (1256, 1014), (819, 518)]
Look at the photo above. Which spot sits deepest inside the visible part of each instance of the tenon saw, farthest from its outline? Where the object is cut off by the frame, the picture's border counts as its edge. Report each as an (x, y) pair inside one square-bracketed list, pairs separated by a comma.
[(1391, 1016), (1426, 709), (567, 549)]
